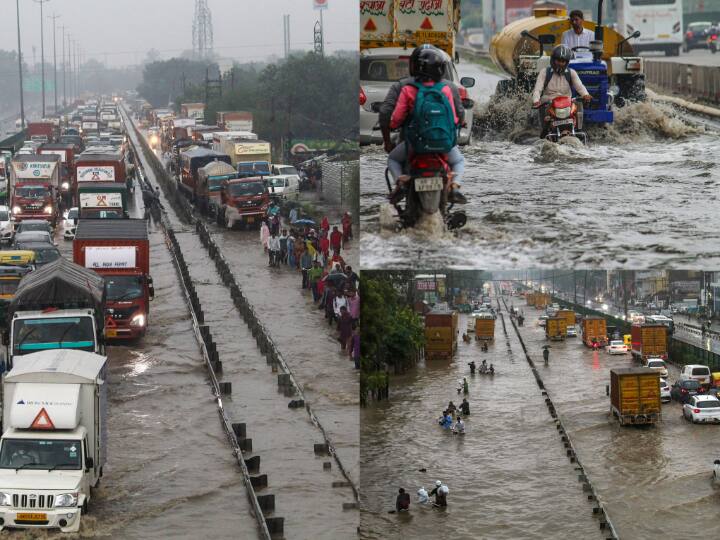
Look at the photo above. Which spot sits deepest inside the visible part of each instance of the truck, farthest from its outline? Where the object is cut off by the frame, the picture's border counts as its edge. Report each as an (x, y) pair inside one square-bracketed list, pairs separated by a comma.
[(234, 120), (568, 315), (54, 444), (649, 340), (193, 110), (210, 180), (66, 151), (594, 331), (226, 143), (243, 200), (542, 300), (119, 252), (191, 160), (180, 128), (530, 298), (440, 334), (556, 329), (44, 131), (635, 395), (35, 187), (102, 200), (106, 166), (58, 306), (484, 326), (244, 151), (409, 23)]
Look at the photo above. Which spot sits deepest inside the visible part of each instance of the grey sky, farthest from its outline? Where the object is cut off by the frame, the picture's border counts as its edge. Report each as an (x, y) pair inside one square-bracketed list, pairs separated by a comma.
[(122, 31)]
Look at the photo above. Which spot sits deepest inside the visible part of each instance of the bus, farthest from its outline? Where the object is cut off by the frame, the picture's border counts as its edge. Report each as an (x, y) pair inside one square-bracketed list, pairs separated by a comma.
[(660, 23)]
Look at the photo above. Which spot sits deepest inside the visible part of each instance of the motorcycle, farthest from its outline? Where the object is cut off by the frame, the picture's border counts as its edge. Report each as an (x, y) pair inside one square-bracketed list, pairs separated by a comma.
[(564, 118)]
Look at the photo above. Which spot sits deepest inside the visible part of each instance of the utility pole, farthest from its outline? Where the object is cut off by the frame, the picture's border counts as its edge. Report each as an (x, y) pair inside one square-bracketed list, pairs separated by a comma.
[(63, 66), (78, 61), (42, 52), (286, 35), (55, 59), (22, 102)]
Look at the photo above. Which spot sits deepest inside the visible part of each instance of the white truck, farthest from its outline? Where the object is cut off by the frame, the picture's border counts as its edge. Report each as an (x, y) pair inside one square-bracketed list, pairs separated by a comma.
[(58, 306), (54, 443)]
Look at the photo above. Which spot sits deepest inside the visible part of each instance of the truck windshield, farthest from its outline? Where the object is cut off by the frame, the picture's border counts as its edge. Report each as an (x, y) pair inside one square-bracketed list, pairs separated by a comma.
[(40, 454), (123, 287), (30, 335), (247, 188), (31, 192), (253, 168), (277, 182), (286, 169)]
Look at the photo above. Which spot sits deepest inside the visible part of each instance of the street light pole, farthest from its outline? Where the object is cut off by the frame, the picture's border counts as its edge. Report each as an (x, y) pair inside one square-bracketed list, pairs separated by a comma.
[(63, 66), (22, 102), (42, 52), (55, 59)]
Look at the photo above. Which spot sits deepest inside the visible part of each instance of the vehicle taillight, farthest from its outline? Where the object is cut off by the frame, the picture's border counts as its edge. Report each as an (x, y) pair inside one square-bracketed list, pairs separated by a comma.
[(696, 411), (363, 96)]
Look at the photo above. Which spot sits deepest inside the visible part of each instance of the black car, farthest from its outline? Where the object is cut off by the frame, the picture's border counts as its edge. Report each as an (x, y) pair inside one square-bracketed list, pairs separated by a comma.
[(44, 251), (683, 389), (696, 36)]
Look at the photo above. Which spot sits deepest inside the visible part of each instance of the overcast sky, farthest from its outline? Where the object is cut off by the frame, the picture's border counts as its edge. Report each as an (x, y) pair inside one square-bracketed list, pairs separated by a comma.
[(122, 31)]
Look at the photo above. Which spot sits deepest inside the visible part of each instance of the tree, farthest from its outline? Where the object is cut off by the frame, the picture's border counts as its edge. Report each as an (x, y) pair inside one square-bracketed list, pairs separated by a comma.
[(167, 80)]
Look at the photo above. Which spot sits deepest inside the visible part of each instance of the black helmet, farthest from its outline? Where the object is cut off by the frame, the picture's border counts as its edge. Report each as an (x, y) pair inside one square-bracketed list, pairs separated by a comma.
[(416, 53), (430, 65), (561, 52)]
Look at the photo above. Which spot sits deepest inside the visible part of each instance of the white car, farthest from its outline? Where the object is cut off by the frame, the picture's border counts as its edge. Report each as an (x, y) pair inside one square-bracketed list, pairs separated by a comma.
[(571, 331), (664, 391), (697, 372), (379, 69), (542, 320), (70, 218), (703, 409), (616, 347), (6, 225), (658, 364), (286, 186)]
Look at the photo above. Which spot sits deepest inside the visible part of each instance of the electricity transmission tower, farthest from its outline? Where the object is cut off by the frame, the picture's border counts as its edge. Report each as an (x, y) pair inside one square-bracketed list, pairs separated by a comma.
[(202, 31)]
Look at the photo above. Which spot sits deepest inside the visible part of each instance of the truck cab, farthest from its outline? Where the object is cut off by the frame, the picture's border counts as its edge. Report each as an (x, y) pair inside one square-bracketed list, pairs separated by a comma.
[(35, 183), (53, 448), (102, 200), (244, 201)]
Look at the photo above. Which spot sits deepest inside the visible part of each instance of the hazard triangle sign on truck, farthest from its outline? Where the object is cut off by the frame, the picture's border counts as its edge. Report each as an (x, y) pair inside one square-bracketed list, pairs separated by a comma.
[(42, 421)]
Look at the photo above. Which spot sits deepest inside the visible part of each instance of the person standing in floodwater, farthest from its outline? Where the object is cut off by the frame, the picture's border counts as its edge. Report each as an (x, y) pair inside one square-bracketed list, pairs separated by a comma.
[(402, 502), (441, 492)]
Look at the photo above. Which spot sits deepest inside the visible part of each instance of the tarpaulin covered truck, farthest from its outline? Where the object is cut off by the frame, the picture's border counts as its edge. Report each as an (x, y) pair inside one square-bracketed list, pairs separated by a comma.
[(440, 334), (210, 180), (191, 160), (120, 252), (635, 395), (649, 340), (54, 444), (58, 306), (35, 187)]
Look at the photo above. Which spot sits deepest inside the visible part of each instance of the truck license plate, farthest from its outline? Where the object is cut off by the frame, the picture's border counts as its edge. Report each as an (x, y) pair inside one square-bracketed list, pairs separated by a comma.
[(433, 183), (110, 333), (31, 516)]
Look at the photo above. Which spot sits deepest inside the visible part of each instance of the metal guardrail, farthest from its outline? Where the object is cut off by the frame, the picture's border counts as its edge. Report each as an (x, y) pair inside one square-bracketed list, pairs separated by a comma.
[(700, 82)]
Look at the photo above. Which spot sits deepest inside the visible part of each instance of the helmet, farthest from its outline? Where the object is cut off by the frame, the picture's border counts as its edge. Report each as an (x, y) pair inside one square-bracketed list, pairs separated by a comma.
[(438, 483), (561, 52), (415, 54), (430, 65)]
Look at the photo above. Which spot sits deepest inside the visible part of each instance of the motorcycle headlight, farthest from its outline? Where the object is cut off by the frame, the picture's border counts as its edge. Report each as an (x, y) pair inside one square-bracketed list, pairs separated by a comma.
[(5, 499), (48, 209), (16, 210), (563, 113), (138, 320), (66, 500), (65, 185)]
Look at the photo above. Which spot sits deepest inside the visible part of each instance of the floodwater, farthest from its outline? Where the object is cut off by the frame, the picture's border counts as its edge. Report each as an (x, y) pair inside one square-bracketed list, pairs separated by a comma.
[(508, 476), (284, 438), (655, 481), (634, 197)]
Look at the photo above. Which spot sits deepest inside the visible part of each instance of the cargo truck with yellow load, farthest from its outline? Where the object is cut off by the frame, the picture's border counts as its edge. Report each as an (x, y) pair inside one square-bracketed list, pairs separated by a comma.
[(484, 327), (635, 395), (555, 329), (440, 334), (613, 75)]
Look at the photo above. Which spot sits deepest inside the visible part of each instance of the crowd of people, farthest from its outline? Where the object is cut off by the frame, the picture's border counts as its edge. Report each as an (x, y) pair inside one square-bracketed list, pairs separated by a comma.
[(316, 254)]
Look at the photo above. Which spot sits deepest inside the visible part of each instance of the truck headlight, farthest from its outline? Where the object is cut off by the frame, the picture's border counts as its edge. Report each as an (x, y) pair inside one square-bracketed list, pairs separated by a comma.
[(5, 499), (16, 210), (65, 185), (66, 500), (138, 320), (48, 209)]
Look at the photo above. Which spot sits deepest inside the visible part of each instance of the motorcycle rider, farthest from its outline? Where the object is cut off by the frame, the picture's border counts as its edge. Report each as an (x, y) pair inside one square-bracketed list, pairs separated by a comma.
[(557, 80), (425, 55)]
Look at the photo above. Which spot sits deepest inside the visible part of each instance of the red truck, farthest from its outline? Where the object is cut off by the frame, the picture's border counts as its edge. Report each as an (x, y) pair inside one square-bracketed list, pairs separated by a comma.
[(119, 251), (34, 187), (103, 167), (66, 151), (244, 201), (37, 131)]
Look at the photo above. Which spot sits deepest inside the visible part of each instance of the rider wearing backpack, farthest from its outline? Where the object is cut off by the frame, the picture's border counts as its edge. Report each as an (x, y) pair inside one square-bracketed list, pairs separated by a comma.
[(426, 110), (557, 80)]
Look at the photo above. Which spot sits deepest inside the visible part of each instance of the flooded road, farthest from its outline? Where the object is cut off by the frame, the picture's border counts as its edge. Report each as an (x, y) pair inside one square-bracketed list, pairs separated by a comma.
[(508, 476), (632, 198), (169, 466), (655, 481)]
